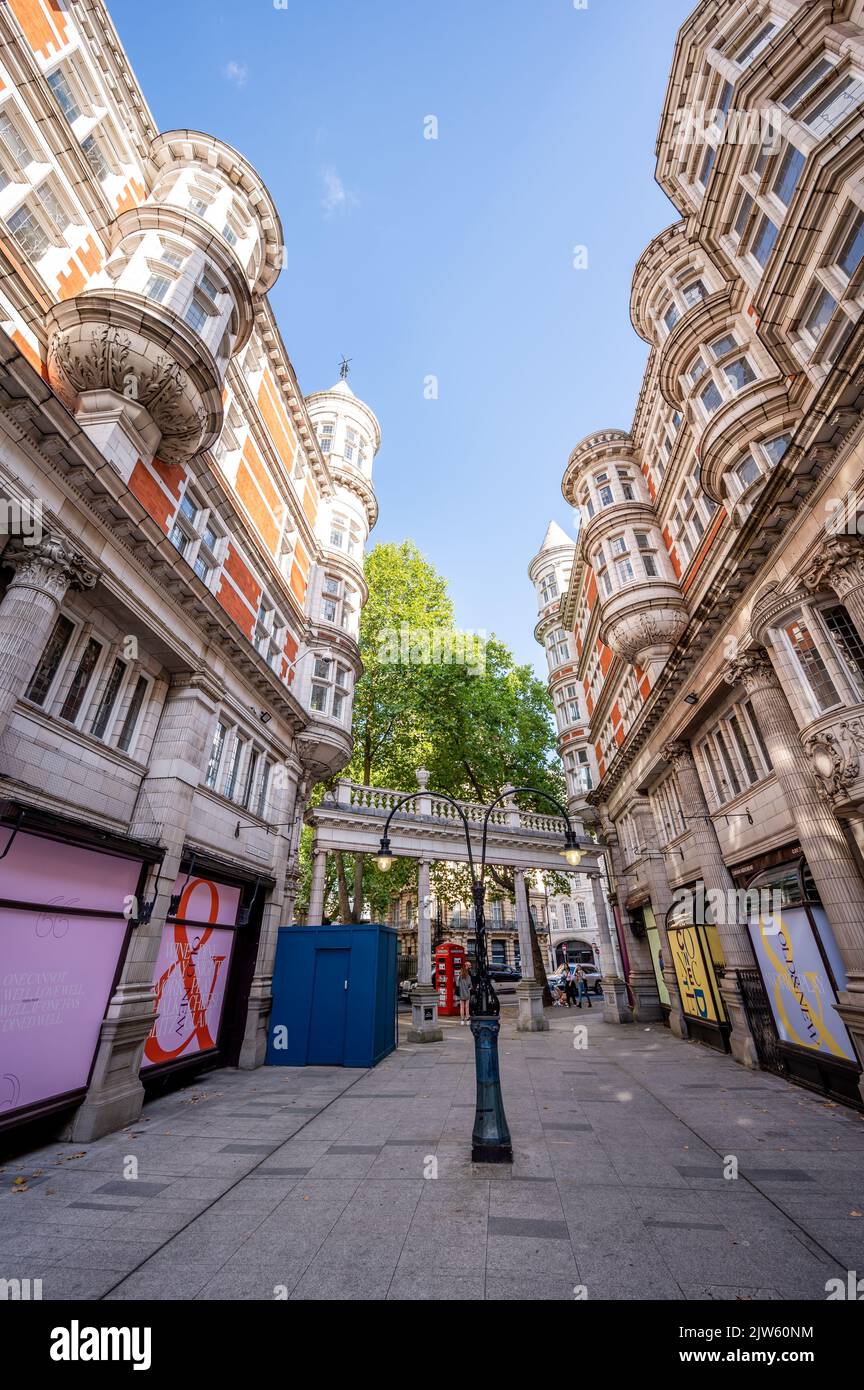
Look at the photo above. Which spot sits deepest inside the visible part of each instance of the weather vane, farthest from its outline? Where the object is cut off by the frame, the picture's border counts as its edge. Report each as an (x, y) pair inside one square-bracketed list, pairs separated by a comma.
[(345, 367)]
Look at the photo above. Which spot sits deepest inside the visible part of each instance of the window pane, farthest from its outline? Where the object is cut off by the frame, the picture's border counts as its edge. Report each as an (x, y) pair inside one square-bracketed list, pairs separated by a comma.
[(51, 658), (765, 238), (743, 215), (724, 345), (846, 637), (54, 208), (814, 668), (760, 40), (196, 316), (808, 81), (820, 315), (743, 751), (75, 695), (215, 755), (12, 139), (95, 158), (234, 765), (28, 232), (109, 697), (787, 178), (853, 247), (776, 448), (129, 723), (833, 108), (711, 398), (59, 85), (707, 165), (739, 373)]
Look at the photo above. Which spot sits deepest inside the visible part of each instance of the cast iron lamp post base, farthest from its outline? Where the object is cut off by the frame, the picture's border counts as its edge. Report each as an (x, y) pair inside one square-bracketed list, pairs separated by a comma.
[(490, 1141)]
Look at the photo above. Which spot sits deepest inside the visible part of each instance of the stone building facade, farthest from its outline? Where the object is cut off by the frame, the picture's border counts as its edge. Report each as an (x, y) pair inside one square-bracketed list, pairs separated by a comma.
[(181, 579), (565, 925), (707, 625)]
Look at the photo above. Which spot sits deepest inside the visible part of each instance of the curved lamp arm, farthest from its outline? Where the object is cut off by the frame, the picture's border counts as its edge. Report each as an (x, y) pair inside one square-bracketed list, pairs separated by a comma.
[(441, 796), (570, 840)]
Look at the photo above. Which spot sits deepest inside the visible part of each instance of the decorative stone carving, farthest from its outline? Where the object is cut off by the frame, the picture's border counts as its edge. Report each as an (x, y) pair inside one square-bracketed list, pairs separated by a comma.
[(141, 354), (752, 669), (839, 565), (679, 754), (835, 756), (633, 633), (50, 566)]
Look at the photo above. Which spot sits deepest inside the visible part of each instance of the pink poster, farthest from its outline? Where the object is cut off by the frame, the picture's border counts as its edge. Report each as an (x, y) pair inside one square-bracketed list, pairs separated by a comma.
[(56, 966), (192, 972)]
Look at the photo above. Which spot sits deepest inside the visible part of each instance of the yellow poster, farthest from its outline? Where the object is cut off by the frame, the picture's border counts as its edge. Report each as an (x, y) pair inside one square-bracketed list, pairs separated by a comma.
[(700, 997)]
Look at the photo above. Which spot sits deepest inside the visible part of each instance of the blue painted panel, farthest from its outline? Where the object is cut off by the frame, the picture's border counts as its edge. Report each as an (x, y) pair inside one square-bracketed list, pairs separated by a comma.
[(315, 1020)]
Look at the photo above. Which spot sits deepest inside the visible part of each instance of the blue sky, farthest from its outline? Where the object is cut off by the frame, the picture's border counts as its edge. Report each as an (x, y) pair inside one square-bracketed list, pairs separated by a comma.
[(450, 257)]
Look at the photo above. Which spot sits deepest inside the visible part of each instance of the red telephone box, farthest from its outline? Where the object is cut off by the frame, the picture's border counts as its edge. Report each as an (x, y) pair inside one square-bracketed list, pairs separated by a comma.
[(448, 963)]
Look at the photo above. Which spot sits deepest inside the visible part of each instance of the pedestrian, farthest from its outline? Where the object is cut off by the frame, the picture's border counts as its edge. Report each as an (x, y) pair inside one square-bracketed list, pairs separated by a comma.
[(570, 990), (582, 988), (463, 985)]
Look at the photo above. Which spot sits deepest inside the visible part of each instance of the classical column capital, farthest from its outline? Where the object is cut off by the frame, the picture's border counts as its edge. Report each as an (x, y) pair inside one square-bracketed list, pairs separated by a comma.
[(837, 565), (753, 669), (679, 753), (50, 565)]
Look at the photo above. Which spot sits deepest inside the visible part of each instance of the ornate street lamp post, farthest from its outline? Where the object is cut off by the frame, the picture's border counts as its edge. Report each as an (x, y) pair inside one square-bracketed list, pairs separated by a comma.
[(490, 1141)]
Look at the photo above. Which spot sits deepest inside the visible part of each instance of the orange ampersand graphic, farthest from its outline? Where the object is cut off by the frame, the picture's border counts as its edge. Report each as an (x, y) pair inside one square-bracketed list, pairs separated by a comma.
[(193, 1004)]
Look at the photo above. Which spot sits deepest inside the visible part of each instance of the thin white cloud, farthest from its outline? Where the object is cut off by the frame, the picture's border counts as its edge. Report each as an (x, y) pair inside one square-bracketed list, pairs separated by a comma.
[(236, 73), (336, 196)]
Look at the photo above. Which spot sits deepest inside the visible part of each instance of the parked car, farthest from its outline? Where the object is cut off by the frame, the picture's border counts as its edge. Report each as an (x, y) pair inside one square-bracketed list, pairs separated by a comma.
[(504, 973), (593, 978)]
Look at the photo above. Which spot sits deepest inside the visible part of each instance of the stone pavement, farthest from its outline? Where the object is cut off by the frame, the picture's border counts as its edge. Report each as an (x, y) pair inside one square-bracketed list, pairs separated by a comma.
[(311, 1183)]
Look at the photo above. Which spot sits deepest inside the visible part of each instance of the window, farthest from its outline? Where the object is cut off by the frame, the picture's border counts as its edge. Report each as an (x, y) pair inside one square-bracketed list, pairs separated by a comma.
[(624, 571), (340, 691), (820, 314), (796, 94), (263, 790), (852, 249), (707, 165), (331, 599), (237, 750), (198, 206), (755, 45), (95, 157), (215, 759), (337, 532), (753, 726), (52, 656), (739, 373), (196, 316), (776, 448), (29, 233), (763, 242), (251, 774), (671, 316), (209, 287), (570, 704), (788, 175), (157, 287), (724, 345), (548, 587), (229, 234), (697, 370), (171, 257), (747, 471), (847, 641), (59, 84), (812, 664), (109, 699), (833, 108), (650, 564), (710, 398), (53, 207), (326, 437), (743, 215), (693, 293), (130, 722), (71, 706), (15, 144)]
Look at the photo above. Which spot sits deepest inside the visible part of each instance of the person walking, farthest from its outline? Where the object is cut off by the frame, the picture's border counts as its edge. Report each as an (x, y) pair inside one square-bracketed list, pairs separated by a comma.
[(570, 988), (581, 985), (463, 989)]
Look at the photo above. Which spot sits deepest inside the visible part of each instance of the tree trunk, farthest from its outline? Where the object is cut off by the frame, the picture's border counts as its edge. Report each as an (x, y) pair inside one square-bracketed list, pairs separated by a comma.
[(539, 966), (344, 908), (357, 914)]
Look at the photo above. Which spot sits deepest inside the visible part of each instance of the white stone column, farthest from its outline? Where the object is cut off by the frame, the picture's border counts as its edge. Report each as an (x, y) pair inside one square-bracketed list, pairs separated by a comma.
[(284, 810), (829, 856), (661, 900), (315, 914), (529, 991), (737, 951), (642, 979), (43, 573), (615, 1006), (425, 1024), (179, 755)]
